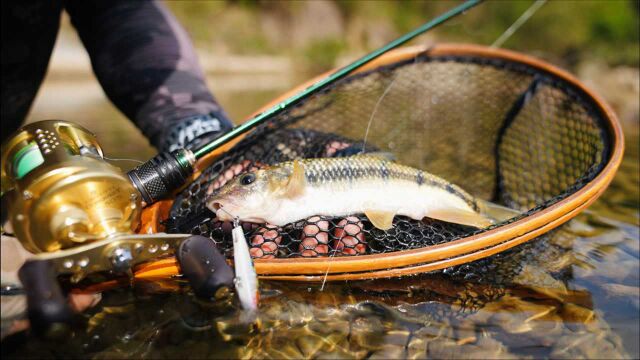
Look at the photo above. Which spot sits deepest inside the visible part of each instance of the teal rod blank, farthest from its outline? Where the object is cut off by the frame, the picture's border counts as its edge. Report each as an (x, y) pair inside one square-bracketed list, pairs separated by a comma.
[(333, 77)]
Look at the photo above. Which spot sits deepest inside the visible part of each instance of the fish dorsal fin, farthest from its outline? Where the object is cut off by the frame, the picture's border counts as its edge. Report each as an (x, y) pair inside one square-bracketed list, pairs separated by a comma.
[(297, 181), (380, 219), (460, 216), (380, 155)]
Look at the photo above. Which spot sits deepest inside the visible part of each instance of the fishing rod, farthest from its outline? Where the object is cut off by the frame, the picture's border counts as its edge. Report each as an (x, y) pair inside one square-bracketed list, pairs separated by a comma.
[(158, 177)]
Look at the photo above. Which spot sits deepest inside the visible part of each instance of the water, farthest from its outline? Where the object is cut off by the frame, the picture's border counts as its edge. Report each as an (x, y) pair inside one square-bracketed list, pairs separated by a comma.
[(573, 293)]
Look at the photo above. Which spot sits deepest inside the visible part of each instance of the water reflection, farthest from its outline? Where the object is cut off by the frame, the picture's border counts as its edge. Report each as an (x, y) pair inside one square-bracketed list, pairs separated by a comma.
[(554, 297)]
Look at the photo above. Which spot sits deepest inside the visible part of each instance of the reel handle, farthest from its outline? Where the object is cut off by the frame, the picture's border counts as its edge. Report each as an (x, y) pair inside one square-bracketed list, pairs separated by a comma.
[(48, 309), (205, 268)]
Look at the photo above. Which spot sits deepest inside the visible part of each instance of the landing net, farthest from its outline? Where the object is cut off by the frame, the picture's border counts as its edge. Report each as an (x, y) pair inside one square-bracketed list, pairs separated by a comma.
[(505, 130)]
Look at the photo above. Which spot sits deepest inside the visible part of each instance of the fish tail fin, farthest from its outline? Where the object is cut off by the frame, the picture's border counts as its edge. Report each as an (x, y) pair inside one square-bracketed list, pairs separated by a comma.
[(498, 213), (461, 216)]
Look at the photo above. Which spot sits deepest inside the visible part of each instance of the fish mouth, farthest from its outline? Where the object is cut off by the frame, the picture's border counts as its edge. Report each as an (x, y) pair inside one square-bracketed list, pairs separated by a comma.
[(220, 214), (216, 206), (219, 208)]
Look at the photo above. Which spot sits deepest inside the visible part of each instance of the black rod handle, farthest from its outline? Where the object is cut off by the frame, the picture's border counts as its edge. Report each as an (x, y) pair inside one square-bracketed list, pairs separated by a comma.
[(160, 176)]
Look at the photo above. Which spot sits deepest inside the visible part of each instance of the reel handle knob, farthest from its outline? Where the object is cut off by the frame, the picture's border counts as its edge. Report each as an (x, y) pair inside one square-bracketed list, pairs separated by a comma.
[(205, 267), (48, 309)]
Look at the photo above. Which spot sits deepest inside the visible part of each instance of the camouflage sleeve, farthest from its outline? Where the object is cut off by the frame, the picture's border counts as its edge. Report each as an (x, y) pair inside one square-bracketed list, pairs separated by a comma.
[(148, 68)]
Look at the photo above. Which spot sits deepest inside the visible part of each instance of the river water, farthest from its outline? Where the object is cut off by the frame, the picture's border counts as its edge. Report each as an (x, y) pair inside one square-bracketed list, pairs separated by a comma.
[(573, 293)]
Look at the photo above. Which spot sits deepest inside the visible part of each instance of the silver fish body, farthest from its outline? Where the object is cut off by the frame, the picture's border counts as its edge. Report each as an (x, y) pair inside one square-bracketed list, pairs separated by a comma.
[(372, 185)]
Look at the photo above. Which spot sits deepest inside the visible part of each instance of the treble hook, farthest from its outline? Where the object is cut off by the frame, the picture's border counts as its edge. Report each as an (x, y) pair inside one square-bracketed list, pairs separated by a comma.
[(236, 219)]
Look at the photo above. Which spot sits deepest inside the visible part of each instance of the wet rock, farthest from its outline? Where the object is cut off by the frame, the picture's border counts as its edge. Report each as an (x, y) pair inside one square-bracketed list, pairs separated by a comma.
[(297, 313), (465, 335), (575, 313), (417, 348), (549, 328), (397, 337), (284, 352), (234, 327), (623, 292), (334, 341), (589, 345), (511, 323), (434, 331), (389, 352), (309, 345), (485, 347), (367, 338), (540, 280), (539, 311), (339, 354), (488, 348), (271, 314)]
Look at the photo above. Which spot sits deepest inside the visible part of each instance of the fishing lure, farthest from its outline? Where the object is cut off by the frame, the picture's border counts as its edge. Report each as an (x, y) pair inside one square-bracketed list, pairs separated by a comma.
[(246, 280)]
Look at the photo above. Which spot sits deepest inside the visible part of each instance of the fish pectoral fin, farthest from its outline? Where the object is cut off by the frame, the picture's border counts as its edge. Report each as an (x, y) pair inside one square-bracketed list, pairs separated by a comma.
[(380, 219), (460, 216), (297, 182)]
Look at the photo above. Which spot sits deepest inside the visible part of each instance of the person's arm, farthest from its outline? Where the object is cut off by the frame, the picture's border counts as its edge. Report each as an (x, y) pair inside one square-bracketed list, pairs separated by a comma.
[(147, 66)]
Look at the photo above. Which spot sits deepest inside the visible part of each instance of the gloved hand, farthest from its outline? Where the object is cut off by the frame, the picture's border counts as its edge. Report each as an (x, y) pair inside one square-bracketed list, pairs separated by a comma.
[(195, 131)]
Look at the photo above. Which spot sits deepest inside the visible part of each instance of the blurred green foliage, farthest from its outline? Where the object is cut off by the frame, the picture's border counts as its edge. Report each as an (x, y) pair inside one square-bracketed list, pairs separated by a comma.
[(323, 53), (568, 31)]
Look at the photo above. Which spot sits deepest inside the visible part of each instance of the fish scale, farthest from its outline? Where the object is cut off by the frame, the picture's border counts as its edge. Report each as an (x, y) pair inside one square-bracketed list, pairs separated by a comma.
[(347, 170)]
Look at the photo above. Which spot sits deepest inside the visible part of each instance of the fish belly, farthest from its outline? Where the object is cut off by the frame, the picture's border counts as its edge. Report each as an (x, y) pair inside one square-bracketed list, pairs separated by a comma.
[(395, 197)]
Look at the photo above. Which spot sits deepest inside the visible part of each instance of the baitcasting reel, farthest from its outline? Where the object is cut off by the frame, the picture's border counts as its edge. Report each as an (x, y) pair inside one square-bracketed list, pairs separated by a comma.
[(78, 214), (68, 205)]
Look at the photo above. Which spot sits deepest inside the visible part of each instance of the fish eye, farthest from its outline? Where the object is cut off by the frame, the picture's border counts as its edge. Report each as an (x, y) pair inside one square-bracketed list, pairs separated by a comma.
[(247, 179)]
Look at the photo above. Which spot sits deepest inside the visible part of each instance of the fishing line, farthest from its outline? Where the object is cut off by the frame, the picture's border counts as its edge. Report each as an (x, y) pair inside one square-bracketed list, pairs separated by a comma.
[(236, 219), (518, 23), (123, 159), (375, 108), (326, 274)]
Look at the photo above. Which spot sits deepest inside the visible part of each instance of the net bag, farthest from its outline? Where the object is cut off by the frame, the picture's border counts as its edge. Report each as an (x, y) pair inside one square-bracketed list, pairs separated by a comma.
[(505, 127)]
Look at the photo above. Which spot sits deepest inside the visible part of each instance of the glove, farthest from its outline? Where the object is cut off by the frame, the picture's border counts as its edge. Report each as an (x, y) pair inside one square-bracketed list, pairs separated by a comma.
[(193, 132)]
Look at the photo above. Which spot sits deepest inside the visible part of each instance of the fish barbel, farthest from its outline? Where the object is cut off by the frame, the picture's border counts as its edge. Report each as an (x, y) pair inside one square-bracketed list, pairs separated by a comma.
[(369, 184)]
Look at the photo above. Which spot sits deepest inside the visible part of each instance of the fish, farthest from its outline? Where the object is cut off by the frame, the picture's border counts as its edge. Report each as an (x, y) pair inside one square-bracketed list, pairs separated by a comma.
[(369, 184)]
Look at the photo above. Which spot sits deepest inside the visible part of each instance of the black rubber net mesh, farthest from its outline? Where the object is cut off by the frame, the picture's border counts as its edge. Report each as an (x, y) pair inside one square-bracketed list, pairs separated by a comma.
[(503, 131)]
